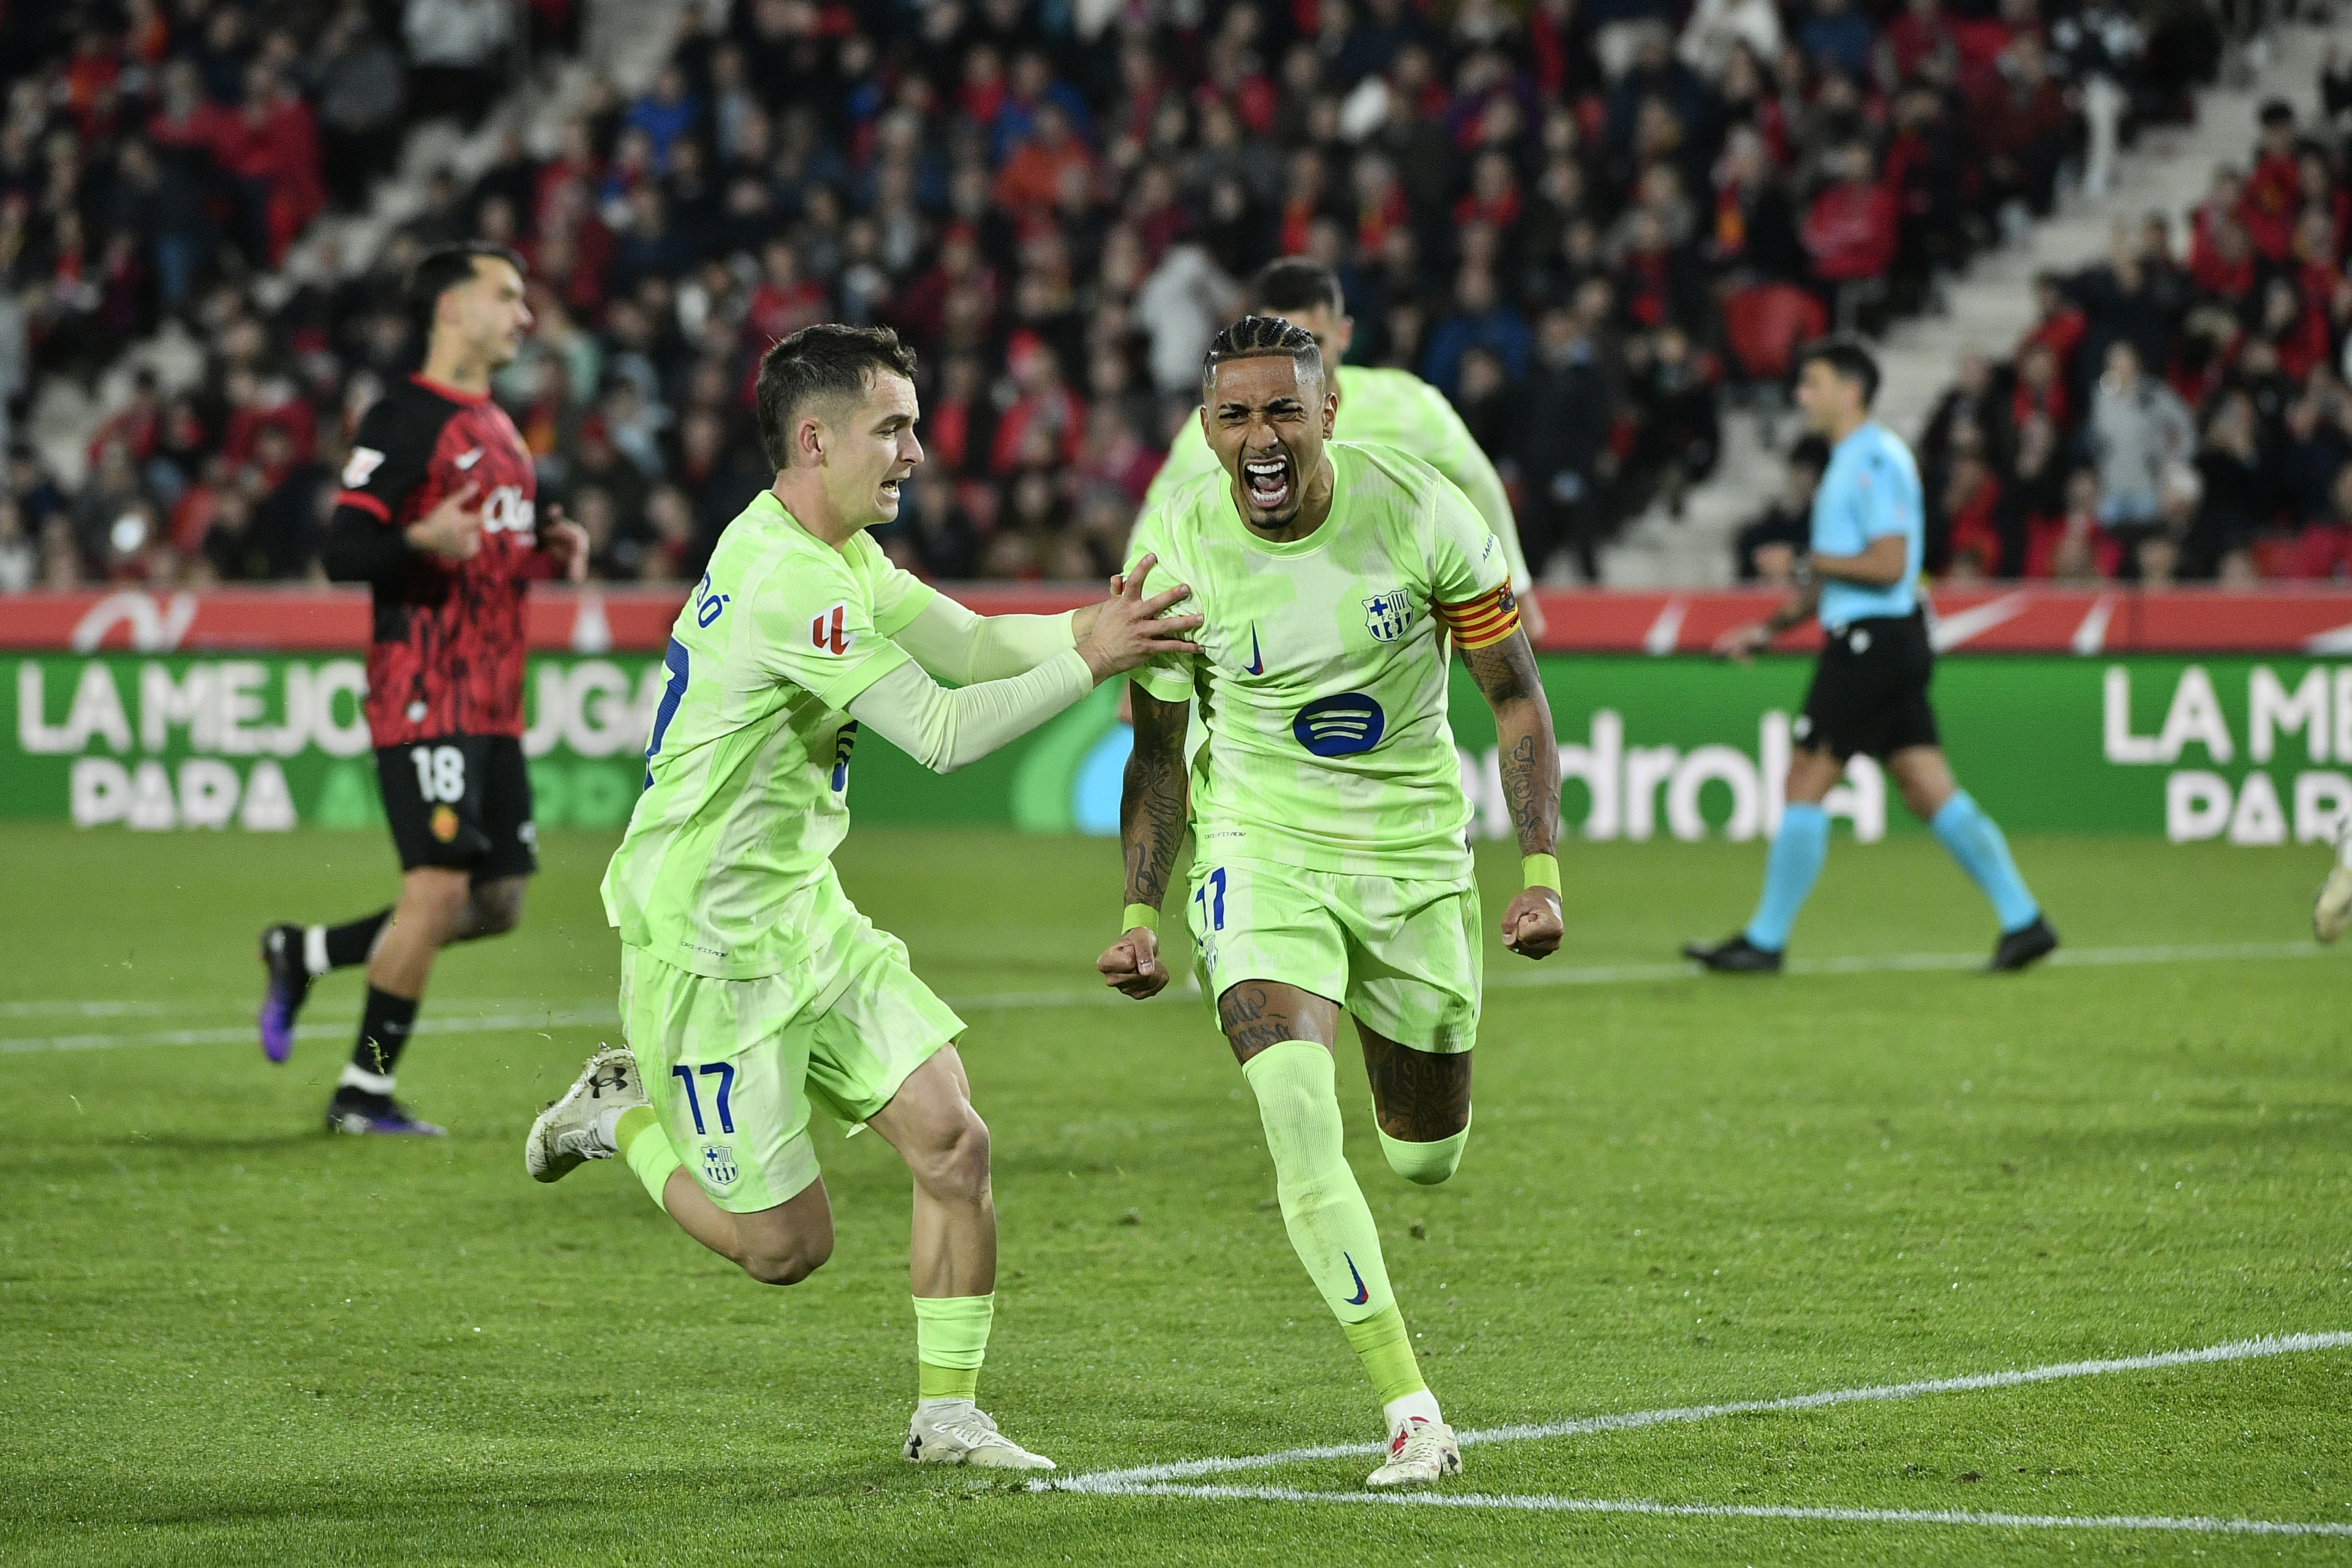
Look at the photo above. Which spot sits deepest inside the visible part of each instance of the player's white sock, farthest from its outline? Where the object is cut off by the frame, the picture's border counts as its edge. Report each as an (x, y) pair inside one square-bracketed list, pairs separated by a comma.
[(608, 1125), (314, 949), (356, 1076), (1421, 1404)]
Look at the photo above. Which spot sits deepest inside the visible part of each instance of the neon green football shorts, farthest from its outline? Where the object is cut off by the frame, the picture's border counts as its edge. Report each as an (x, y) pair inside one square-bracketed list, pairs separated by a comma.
[(1402, 957), (736, 1068)]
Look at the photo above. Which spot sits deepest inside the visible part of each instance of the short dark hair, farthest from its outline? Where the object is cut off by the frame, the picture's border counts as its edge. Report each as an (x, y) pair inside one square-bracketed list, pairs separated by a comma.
[(824, 360), (1845, 355), (1296, 283), (446, 267), (1261, 337)]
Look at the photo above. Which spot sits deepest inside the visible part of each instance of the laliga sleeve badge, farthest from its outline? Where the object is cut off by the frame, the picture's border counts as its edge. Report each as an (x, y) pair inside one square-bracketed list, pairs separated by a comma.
[(444, 823)]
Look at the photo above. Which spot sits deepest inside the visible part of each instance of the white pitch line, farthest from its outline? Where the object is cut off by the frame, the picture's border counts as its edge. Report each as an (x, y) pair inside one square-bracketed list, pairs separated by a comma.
[(1122, 1480), (2192, 1524), (495, 1023), (1516, 978)]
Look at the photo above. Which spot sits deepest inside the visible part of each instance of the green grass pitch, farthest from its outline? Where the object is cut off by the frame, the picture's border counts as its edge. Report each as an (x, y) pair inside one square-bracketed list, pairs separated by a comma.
[(224, 1337)]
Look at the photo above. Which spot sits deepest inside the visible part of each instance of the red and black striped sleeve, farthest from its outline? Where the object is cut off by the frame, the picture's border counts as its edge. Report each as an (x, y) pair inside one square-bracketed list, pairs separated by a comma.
[(391, 453)]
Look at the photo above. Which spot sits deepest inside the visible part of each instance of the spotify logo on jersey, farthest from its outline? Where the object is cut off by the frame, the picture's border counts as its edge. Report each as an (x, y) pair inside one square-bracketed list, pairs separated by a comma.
[(1339, 726)]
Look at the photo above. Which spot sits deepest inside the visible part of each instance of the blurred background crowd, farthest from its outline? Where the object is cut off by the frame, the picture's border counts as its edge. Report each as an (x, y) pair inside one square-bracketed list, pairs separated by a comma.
[(1588, 221)]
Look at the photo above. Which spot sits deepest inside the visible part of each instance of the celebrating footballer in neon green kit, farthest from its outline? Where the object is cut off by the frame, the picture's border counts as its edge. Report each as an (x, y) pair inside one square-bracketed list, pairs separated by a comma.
[(753, 994), (1332, 868), (1377, 407)]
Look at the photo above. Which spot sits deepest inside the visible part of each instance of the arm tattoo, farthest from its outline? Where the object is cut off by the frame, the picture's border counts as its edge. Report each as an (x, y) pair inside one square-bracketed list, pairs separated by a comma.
[(1506, 672), (1419, 1097), (1154, 804)]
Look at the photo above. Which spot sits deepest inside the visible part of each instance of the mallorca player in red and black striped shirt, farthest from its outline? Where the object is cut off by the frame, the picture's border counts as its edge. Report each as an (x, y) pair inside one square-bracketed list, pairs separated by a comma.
[(436, 514)]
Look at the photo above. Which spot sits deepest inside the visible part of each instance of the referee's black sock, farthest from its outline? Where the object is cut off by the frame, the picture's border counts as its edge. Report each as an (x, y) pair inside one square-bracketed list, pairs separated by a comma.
[(385, 1024)]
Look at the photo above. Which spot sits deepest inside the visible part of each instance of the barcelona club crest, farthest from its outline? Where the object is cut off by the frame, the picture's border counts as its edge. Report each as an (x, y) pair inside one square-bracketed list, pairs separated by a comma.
[(1388, 616), (719, 1165)]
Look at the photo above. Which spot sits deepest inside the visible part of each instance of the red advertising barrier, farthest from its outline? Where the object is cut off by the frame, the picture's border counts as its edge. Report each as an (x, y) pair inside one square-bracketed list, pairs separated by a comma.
[(1973, 620)]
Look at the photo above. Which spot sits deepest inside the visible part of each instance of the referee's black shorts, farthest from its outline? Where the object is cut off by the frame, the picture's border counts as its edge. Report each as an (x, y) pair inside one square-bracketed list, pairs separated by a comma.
[(1870, 689)]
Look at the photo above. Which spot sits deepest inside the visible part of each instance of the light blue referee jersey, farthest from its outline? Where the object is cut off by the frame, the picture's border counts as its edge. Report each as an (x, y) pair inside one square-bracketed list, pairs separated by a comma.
[(1869, 490)]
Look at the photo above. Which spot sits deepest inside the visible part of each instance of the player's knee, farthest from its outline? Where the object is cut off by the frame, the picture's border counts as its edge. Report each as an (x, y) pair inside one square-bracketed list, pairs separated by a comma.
[(791, 1266), (439, 903), (948, 1153), (960, 1168), (1425, 1164), (497, 908)]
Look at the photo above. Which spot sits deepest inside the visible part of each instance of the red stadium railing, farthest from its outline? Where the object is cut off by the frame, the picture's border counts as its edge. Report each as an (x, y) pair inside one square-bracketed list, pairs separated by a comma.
[(1977, 619)]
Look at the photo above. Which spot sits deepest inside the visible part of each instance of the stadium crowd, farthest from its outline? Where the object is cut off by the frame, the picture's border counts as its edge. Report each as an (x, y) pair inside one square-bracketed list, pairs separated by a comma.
[(2178, 411), (1581, 220)]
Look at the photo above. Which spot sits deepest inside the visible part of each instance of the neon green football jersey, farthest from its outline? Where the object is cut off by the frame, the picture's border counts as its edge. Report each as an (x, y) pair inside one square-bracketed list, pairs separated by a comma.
[(1320, 737), (725, 871), (1380, 408)]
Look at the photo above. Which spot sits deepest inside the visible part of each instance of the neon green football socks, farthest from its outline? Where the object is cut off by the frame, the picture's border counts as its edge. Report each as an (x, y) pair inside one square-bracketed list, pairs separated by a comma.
[(951, 1341), (638, 1135), (1386, 1353), (1330, 1222), (1425, 1164)]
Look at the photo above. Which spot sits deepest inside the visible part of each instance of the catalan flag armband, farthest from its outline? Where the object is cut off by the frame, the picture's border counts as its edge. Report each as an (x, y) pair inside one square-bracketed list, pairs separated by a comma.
[(1484, 621)]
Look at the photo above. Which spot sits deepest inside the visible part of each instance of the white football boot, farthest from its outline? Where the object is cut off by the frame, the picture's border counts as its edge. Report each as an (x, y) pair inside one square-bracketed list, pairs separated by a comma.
[(958, 1431), (2333, 912), (1422, 1453), (575, 1129)]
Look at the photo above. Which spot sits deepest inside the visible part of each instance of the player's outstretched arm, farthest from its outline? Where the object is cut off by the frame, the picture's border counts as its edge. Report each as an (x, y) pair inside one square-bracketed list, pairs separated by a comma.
[(1153, 806), (1505, 673), (945, 730), (957, 644)]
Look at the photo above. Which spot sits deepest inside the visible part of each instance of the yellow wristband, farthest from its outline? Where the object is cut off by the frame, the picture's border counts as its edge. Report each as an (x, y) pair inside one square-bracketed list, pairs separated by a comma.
[(1540, 871), (1142, 915)]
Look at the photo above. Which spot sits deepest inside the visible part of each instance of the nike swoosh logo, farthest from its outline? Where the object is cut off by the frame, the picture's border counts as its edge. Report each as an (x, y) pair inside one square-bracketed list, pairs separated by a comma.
[(1257, 666), (1363, 1291), (469, 460)]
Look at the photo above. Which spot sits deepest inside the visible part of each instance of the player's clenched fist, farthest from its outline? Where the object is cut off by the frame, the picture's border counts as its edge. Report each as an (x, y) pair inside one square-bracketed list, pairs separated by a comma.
[(1532, 925), (1131, 965), (453, 530)]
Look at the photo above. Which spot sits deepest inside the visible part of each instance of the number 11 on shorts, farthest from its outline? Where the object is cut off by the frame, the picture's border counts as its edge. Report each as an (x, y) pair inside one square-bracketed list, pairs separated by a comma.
[(726, 1072), (1213, 910)]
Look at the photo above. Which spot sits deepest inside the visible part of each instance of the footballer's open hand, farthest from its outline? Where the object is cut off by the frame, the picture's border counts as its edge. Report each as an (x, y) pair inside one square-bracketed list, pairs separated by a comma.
[(1131, 627), (1132, 967), (1532, 925)]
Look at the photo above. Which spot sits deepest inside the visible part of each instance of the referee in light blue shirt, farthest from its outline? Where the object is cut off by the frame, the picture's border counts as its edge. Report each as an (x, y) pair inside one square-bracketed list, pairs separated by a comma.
[(1869, 693)]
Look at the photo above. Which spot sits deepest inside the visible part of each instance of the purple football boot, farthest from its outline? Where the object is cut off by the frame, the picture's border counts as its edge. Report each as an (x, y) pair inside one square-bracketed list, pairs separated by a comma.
[(357, 1111), (290, 987)]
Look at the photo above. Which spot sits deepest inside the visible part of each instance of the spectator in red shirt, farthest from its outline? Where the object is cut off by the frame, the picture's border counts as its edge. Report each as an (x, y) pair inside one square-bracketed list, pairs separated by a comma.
[(1850, 234), (2041, 389), (2075, 547), (1045, 405), (2058, 320), (2274, 192), (783, 301), (1971, 499), (1032, 176), (2020, 119)]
